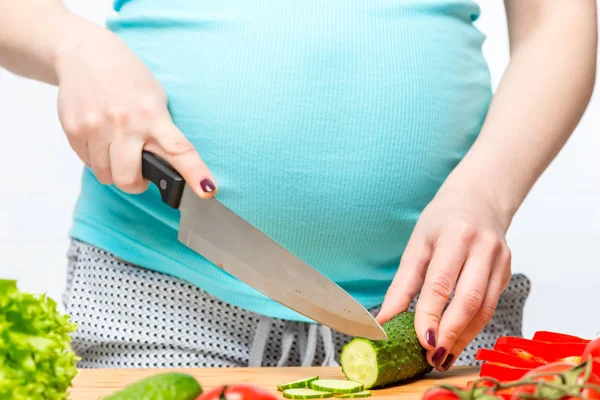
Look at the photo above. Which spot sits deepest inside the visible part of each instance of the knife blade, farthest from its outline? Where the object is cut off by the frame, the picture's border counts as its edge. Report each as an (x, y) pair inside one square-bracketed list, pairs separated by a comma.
[(224, 238)]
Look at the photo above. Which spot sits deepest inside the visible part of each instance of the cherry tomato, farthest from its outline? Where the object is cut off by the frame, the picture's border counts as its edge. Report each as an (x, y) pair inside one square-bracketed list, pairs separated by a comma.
[(440, 394), (592, 350), (589, 393), (538, 373), (557, 367), (554, 367), (237, 392), (516, 393)]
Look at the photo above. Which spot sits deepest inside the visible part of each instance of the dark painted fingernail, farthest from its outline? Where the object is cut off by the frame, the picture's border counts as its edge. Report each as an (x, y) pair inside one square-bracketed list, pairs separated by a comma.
[(207, 185), (446, 365), (430, 337), (438, 356)]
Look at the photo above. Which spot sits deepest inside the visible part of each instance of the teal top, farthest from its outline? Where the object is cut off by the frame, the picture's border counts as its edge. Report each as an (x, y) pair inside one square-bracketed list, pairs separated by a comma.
[(328, 124)]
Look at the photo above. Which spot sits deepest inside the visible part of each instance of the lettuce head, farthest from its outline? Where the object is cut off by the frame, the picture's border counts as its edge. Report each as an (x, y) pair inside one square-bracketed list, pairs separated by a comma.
[(36, 358)]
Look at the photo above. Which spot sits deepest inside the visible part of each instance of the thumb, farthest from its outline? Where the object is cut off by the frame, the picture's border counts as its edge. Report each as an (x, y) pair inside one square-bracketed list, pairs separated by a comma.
[(170, 144)]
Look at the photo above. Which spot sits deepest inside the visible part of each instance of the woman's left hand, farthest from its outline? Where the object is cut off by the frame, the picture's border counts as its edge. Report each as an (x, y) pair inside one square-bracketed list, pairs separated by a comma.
[(458, 245)]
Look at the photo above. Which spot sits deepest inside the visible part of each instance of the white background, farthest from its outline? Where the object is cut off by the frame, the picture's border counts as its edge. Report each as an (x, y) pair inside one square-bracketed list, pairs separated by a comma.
[(555, 237)]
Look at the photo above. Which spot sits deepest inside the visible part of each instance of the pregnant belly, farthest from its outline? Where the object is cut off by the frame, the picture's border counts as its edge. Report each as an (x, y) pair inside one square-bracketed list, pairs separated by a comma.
[(328, 132)]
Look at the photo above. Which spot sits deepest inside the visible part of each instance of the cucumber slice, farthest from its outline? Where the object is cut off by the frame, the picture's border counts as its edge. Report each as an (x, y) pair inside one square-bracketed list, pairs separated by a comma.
[(302, 383), (336, 386), (306, 394), (364, 393)]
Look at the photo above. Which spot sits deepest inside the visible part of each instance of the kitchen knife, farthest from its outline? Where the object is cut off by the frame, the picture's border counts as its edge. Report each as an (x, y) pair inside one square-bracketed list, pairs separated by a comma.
[(225, 239)]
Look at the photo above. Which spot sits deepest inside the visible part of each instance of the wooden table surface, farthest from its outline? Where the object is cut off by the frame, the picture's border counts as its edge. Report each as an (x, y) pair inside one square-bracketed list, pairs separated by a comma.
[(92, 384)]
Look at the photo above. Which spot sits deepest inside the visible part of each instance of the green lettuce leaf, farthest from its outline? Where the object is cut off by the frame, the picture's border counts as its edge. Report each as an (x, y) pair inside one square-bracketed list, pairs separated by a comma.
[(36, 358)]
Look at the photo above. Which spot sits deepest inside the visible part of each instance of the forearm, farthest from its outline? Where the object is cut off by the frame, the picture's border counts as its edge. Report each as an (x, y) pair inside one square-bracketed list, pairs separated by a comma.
[(539, 102), (31, 33)]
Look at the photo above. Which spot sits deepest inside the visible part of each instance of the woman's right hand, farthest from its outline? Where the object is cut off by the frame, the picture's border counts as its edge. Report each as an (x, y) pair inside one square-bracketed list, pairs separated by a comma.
[(111, 108)]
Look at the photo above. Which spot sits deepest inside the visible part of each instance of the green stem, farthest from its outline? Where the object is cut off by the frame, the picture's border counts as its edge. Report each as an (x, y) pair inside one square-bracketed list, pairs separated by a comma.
[(561, 387)]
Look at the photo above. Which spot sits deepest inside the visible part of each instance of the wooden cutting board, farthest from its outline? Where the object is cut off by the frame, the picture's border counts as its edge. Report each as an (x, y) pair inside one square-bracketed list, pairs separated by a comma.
[(92, 384)]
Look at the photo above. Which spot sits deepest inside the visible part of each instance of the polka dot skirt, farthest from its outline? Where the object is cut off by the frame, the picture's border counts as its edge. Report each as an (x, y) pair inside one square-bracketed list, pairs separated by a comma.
[(130, 317)]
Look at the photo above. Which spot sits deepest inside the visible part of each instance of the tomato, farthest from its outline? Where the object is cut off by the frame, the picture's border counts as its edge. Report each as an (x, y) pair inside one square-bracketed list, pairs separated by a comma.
[(589, 393), (237, 392), (592, 350), (440, 394), (553, 368), (518, 391), (538, 373), (557, 366)]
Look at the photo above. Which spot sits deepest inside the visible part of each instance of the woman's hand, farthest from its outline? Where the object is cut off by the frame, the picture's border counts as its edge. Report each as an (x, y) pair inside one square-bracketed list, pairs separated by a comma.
[(459, 241), (457, 245), (112, 108)]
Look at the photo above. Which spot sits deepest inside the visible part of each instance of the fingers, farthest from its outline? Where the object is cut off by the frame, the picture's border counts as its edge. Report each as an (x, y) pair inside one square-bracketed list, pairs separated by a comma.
[(111, 143), (469, 296), (170, 144), (126, 165), (409, 278), (499, 279), (448, 258)]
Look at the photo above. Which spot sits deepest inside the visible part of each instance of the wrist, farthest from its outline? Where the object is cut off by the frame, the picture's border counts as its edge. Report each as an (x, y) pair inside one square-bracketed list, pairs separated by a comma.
[(73, 32), (500, 195)]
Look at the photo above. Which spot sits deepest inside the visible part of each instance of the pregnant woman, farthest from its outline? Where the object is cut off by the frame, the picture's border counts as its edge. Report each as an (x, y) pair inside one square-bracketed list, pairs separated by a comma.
[(362, 135)]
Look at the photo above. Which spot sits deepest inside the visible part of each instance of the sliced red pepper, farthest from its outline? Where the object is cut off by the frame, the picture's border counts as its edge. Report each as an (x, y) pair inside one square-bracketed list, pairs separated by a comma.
[(501, 372), (530, 349), (527, 356), (508, 359), (547, 336)]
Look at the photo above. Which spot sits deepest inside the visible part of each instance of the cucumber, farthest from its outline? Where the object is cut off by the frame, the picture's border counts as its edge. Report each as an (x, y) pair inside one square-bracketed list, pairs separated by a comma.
[(385, 362), (306, 394), (336, 386), (167, 386), (364, 393), (302, 383)]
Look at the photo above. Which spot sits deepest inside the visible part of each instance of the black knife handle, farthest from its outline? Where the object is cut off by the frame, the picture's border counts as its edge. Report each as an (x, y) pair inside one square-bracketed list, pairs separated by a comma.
[(164, 176)]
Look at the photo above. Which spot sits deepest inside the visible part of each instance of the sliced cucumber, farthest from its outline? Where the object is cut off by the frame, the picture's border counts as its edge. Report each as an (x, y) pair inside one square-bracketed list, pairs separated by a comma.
[(302, 383), (336, 386), (364, 393), (305, 394), (381, 363)]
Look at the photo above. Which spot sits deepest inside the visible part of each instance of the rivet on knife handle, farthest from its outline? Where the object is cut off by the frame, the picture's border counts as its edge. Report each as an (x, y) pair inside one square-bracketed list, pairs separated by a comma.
[(166, 178)]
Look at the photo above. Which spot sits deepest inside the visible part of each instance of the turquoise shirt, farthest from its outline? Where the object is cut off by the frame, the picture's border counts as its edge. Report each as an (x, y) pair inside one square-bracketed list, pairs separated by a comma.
[(328, 124)]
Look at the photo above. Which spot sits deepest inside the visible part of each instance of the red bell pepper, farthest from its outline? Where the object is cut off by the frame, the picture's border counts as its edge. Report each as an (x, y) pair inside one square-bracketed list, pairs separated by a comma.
[(512, 360), (536, 350), (502, 372), (555, 337)]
